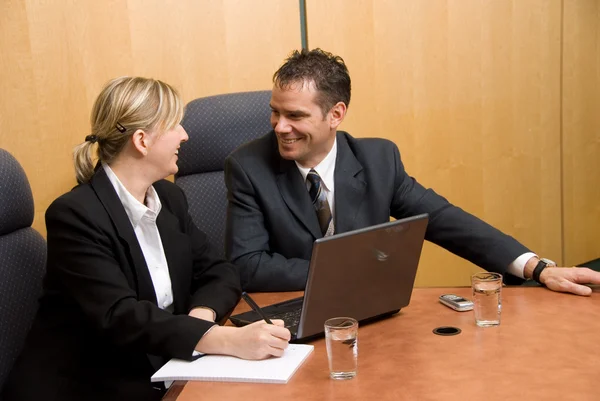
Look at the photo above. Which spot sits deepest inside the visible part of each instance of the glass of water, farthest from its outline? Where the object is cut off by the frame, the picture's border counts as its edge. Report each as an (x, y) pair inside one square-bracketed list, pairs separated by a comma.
[(487, 298), (341, 337)]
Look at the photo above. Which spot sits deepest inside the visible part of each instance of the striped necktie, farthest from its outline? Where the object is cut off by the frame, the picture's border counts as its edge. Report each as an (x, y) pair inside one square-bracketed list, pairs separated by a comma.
[(319, 201)]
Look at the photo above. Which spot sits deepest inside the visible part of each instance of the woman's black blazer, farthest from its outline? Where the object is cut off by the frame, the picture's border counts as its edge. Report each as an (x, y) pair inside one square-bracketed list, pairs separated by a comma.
[(98, 326)]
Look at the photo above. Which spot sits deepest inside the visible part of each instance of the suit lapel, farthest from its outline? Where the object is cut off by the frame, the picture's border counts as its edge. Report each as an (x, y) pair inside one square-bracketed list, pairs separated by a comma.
[(111, 202), (350, 186)]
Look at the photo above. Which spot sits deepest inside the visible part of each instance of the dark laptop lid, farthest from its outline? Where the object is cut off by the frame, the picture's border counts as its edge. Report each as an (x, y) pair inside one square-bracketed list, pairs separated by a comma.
[(363, 273)]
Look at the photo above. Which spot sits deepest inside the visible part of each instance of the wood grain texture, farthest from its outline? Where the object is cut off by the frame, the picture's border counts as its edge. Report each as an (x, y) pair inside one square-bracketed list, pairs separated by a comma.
[(581, 131), (57, 55), (399, 358), (470, 92)]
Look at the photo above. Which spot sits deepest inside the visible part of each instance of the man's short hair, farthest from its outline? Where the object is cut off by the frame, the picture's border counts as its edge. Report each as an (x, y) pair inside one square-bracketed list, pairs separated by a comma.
[(327, 71)]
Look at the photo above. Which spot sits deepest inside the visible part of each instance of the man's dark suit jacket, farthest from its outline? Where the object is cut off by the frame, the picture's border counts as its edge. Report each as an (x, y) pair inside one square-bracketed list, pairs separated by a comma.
[(271, 223), (98, 318)]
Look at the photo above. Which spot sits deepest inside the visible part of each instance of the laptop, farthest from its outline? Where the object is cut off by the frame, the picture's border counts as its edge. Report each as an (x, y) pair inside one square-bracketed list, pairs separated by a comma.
[(366, 274)]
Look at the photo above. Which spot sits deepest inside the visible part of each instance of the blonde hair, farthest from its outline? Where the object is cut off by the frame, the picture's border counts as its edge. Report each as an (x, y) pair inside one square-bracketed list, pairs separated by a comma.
[(125, 105)]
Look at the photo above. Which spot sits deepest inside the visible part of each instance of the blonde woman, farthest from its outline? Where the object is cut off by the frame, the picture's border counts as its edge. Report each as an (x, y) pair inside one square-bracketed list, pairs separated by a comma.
[(130, 282)]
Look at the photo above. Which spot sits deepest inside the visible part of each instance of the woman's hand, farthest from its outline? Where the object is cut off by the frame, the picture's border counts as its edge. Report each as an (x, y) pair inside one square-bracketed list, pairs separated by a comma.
[(258, 340)]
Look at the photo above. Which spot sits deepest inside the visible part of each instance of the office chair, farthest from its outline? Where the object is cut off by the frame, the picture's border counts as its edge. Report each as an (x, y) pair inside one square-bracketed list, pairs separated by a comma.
[(217, 125), (22, 261)]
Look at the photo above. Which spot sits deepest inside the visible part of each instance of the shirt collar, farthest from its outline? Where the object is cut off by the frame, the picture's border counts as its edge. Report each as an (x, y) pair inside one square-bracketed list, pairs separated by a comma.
[(135, 209), (325, 169)]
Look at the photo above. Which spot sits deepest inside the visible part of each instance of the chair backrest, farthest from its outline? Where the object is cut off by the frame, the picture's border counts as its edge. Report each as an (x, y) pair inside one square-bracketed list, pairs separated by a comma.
[(217, 125), (22, 261)]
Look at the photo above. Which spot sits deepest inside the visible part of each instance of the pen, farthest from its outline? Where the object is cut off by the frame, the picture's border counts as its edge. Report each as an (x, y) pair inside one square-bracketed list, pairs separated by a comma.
[(255, 307)]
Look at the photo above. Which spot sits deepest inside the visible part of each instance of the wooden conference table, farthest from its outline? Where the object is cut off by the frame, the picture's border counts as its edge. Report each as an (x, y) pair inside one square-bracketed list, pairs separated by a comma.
[(546, 348)]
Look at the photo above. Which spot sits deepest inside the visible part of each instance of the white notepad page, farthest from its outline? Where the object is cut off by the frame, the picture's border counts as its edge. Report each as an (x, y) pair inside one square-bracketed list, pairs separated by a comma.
[(231, 369)]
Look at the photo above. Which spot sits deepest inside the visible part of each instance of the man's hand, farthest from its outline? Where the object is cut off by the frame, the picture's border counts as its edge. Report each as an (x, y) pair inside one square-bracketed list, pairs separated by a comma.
[(258, 340), (570, 279), (564, 279)]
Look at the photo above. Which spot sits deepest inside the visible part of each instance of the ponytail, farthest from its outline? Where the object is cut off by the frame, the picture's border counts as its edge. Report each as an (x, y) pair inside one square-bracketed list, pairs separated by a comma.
[(82, 158)]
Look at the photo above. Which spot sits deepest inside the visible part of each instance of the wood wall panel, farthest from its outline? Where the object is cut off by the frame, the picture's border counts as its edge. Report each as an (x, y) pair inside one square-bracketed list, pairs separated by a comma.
[(581, 130), (470, 92), (55, 56)]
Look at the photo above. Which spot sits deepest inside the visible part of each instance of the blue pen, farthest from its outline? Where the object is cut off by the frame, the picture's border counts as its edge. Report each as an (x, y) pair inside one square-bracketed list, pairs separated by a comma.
[(255, 307)]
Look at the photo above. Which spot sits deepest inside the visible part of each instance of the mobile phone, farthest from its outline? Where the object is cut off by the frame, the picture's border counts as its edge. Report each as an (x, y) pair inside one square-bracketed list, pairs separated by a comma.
[(455, 302)]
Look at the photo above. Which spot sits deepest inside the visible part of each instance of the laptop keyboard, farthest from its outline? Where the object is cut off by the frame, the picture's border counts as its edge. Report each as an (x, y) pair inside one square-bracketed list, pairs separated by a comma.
[(291, 318), (288, 311)]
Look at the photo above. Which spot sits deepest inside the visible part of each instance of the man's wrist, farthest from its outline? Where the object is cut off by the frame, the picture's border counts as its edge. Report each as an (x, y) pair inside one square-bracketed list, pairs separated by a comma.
[(540, 269), (530, 266)]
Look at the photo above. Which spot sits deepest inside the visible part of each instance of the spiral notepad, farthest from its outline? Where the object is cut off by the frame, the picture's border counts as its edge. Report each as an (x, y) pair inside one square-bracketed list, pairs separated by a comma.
[(231, 369)]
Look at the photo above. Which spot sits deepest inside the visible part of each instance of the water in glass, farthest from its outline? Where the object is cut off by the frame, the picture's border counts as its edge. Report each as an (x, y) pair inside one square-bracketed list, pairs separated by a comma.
[(488, 305), (342, 350)]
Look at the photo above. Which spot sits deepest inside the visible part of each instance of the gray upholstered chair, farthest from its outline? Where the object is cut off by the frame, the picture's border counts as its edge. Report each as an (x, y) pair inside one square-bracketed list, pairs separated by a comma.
[(217, 125), (22, 261)]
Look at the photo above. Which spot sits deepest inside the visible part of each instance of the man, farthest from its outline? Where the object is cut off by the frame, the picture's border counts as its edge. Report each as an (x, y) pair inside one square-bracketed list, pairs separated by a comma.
[(305, 180)]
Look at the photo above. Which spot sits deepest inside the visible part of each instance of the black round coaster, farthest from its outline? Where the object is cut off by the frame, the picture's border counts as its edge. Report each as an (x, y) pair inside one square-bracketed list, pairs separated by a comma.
[(446, 331)]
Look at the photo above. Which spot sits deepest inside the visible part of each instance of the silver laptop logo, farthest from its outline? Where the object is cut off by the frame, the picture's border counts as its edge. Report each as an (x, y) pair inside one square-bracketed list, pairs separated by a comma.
[(380, 255)]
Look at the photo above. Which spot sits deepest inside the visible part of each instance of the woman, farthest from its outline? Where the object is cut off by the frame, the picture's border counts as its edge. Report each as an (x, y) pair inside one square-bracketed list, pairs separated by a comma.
[(130, 281)]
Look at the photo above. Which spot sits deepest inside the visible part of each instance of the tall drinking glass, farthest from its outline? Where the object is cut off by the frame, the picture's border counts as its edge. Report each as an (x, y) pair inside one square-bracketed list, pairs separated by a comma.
[(487, 298), (341, 338)]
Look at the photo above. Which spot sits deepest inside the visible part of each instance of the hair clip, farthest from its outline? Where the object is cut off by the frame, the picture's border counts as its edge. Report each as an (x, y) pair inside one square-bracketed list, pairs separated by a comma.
[(121, 128), (91, 138)]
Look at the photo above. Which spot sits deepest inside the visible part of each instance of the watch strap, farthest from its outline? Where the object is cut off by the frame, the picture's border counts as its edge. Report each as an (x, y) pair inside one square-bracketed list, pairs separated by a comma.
[(539, 268)]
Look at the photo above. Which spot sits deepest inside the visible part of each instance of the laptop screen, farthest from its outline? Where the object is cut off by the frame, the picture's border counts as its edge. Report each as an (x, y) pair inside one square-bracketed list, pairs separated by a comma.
[(363, 273)]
